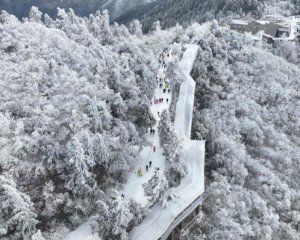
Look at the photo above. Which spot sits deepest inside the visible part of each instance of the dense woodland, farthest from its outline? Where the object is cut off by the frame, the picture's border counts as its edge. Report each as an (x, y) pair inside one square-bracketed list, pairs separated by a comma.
[(74, 110), (247, 108)]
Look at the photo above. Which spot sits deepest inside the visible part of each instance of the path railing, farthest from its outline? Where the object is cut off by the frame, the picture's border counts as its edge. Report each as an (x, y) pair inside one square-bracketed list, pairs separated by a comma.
[(181, 217)]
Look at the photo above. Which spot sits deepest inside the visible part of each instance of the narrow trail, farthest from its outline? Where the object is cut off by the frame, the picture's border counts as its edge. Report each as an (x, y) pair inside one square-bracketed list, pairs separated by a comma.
[(134, 186), (159, 222)]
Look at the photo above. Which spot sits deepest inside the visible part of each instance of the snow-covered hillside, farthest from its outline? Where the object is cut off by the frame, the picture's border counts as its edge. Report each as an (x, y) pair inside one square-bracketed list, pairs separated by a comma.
[(84, 110)]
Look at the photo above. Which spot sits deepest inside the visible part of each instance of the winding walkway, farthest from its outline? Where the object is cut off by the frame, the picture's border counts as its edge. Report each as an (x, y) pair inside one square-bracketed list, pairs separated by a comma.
[(159, 222)]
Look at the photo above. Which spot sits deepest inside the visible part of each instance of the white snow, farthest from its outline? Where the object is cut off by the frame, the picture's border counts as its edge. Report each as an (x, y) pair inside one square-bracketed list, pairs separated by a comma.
[(185, 103), (158, 221), (133, 188), (83, 232), (239, 22)]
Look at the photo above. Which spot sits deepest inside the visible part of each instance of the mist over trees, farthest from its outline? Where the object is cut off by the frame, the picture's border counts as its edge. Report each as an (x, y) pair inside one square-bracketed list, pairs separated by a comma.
[(80, 7), (185, 12)]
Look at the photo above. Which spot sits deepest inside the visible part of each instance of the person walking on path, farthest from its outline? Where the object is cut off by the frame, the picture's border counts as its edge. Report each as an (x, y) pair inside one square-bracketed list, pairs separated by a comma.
[(167, 100), (164, 90), (154, 148), (150, 164), (153, 131), (147, 168), (140, 172)]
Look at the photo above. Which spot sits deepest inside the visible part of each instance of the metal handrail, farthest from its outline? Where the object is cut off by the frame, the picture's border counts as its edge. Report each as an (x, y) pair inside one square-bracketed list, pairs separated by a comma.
[(181, 217)]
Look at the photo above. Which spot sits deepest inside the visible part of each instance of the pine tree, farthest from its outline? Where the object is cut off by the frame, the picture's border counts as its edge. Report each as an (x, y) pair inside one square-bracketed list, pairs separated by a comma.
[(113, 216), (94, 113), (156, 26), (119, 213), (35, 15), (175, 163), (101, 150), (135, 28), (80, 167), (143, 114), (17, 218), (38, 236), (138, 213), (156, 187), (105, 27)]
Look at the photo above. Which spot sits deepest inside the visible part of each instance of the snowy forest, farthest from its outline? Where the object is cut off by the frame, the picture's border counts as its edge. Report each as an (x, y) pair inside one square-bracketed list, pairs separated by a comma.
[(76, 107), (247, 109)]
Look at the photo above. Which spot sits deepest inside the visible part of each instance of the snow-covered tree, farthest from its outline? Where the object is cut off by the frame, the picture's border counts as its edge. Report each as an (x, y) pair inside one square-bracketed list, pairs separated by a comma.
[(156, 26), (17, 219), (135, 28), (138, 212), (101, 151), (143, 115), (81, 178), (35, 15), (157, 187), (175, 163), (119, 213), (113, 216), (38, 236)]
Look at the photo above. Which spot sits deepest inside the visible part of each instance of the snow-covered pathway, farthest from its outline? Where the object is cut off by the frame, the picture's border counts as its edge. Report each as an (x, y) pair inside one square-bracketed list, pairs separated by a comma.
[(158, 222), (134, 186), (185, 103)]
